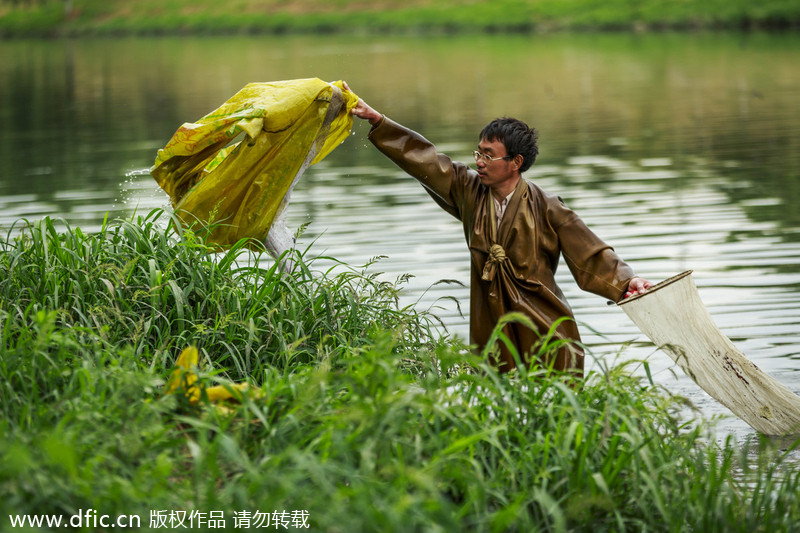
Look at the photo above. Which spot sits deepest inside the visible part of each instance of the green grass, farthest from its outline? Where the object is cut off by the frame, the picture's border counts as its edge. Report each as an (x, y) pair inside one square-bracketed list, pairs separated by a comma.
[(368, 420), (136, 284), (49, 17)]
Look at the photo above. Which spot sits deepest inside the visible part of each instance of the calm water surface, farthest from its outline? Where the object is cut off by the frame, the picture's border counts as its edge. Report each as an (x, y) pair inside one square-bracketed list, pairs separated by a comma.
[(683, 151)]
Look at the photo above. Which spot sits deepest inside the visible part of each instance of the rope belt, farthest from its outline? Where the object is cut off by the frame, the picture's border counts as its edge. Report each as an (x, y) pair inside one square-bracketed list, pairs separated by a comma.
[(496, 256)]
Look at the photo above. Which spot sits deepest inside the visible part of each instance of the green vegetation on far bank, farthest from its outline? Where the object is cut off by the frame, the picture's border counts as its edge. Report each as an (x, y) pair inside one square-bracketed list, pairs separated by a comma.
[(92, 17), (366, 420)]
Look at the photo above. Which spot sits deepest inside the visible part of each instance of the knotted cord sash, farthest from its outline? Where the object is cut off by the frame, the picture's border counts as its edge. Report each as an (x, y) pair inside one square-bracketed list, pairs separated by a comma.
[(497, 255)]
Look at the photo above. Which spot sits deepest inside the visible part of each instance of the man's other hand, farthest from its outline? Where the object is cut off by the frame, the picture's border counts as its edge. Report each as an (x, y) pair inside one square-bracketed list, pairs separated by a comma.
[(637, 286), (363, 110)]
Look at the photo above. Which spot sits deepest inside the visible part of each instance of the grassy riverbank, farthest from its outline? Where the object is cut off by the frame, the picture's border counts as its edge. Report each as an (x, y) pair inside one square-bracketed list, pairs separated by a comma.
[(365, 419), (81, 17)]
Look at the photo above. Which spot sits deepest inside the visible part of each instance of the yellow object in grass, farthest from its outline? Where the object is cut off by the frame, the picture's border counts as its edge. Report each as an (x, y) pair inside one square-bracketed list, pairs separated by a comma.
[(185, 379)]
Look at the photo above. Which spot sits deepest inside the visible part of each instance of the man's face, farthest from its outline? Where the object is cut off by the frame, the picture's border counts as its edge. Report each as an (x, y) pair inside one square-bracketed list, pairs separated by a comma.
[(498, 172)]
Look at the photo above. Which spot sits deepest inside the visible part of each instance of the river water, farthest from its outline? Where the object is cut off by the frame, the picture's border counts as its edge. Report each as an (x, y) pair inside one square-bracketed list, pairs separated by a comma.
[(681, 150)]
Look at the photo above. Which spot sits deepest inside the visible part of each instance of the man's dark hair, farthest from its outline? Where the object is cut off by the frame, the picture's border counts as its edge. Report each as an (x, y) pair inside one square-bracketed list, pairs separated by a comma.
[(516, 136)]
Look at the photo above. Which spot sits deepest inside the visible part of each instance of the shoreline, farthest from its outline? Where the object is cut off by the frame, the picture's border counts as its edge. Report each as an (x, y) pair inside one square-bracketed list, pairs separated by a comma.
[(54, 20)]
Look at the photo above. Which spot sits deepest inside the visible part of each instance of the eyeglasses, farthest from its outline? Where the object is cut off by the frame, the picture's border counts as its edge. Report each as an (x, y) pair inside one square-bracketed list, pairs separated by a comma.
[(487, 158)]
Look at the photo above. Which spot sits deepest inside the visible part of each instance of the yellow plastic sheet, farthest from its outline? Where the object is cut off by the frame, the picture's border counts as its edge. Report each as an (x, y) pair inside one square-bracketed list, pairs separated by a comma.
[(287, 126), (185, 380)]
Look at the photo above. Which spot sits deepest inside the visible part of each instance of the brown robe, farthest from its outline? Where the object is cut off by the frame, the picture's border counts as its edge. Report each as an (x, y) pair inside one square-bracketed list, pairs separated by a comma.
[(513, 267)]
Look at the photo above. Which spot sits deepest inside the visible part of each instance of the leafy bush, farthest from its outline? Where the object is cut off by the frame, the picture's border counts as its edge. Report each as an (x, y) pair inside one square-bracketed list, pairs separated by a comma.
[(367, 423)]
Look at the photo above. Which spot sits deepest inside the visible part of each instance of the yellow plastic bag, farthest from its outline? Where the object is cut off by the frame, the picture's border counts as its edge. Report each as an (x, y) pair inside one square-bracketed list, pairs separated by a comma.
[(287, 126), (185, 380)]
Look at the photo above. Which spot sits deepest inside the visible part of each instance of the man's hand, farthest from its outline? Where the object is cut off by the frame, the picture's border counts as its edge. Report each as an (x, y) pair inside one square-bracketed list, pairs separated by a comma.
[(637, 286), (363, 110)]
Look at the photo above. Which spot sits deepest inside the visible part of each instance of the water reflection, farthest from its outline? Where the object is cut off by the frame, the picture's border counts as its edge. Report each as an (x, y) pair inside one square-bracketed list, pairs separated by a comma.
[(683, 151)]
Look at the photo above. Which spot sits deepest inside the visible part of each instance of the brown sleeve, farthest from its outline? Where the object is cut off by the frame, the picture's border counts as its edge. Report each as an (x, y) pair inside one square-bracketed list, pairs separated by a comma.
[(442, 178), (593, 263)]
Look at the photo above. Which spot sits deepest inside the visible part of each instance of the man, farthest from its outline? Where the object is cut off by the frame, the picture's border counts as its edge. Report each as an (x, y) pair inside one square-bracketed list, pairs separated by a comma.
[(515, 233)]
